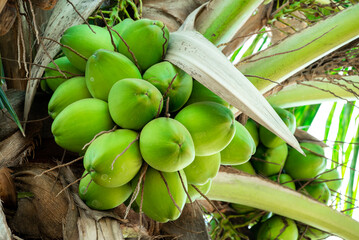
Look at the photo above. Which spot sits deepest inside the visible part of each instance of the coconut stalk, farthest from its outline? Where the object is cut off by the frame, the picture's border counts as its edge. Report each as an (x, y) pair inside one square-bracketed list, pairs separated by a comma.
[(220, 20), (296, 52), (242, 188), (313, 92)]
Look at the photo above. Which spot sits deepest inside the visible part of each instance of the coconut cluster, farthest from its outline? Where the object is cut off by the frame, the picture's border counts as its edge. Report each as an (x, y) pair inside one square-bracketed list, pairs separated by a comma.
[(278, 162), (126, 109)]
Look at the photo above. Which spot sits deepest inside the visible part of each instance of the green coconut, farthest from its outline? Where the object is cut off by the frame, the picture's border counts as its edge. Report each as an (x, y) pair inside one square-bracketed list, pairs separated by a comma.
[(67, 69), (134, 102), (162, 74), (318, 191), (84, 41), (157, 203), (69, 92), (44, 87), (119, 28), (211, 126), (194, 194), (200, 94), (202, 169), (104, 68), (144, 42), (269, 161), (166, 145), (332, 178), (114, 158), (252, 128), (79, 122), (271, 140), (284, 179), (304, 167), (278, 228), (102, 198), (240, 149), (311, 233), (245, 167)]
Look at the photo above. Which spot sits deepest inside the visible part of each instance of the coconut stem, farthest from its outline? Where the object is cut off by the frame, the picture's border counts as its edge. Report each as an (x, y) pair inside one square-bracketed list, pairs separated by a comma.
[(65, 46), (208, 200), (169, 191), (59, 166), (98, 134), (123, 152), (108, 29), (184, 187), (137, 189), (77, 180)]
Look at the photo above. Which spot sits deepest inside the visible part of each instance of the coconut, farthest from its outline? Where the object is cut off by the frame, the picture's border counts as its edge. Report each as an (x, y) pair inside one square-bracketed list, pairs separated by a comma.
[(67, 69), (166, 145), (85, 42), (157, 203), (114, 158), (104, 68), (210, 124), (134, 102), (69, 92), (79, 122), (144, 42), (271, 140), (240, 149), (202, 169), (172, 81), (102, 198), (269, 161)]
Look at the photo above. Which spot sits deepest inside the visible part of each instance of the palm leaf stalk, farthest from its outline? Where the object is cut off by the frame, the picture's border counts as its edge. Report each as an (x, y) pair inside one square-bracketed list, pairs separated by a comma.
[(259, 193), (293, 54)]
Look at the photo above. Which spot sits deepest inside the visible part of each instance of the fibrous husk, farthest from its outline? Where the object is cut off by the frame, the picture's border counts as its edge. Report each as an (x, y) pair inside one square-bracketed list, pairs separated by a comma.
[(7, 189), (42, 214)]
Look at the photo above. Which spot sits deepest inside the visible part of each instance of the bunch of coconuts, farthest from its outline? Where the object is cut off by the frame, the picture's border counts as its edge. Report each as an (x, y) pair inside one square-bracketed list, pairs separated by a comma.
[(307, 174), (125, 109)]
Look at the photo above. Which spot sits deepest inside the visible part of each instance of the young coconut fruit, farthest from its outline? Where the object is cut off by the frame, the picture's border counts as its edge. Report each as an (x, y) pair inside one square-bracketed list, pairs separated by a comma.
[(102, 198), (332, 178), (84, 41), (69, 92), (271, 140), (240, 149), (305, 167), (269, 161), (114, 158), (318, 191), (152, 47), (119, 28), (79, 122), (251, 126), (104, 68), (194, 194), (67, 69), (157, 203), (134, 102), (279, 228), (200, 94), (166, 145), (245, 167), (164, 74), (202, 169), (210, 124), (284, 179), (311, 233)]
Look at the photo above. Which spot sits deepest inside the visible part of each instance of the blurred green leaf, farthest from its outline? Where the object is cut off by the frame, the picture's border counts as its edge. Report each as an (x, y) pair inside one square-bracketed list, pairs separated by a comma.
[(4, 102)]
